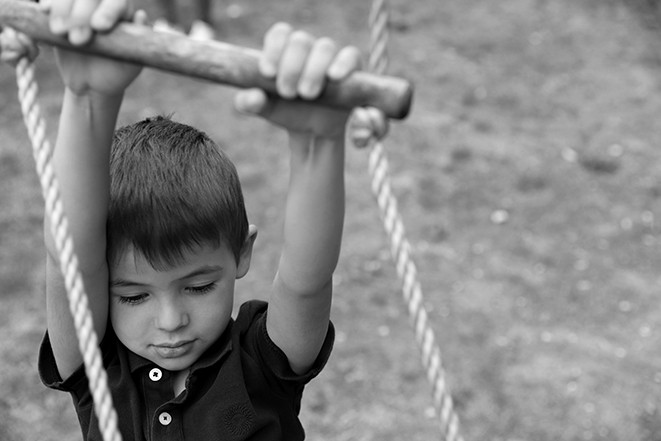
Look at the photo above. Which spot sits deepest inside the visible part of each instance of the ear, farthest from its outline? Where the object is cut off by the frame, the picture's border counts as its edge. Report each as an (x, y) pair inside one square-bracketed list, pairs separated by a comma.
[(246, 252)]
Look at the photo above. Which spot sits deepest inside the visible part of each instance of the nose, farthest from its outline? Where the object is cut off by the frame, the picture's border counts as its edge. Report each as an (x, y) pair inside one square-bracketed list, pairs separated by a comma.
[(171, 316)]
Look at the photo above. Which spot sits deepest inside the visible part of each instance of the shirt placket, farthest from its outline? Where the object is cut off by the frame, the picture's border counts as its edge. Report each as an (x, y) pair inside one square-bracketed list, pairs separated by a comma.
[(163, 416)]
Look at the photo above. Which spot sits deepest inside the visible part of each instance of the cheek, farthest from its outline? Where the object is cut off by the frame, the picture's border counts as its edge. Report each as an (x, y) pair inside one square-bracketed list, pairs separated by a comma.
[(128, 322), (214, 312)]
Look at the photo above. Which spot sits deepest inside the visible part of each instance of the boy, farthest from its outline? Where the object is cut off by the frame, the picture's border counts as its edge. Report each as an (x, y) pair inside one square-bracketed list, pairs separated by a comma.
[(157, 218)]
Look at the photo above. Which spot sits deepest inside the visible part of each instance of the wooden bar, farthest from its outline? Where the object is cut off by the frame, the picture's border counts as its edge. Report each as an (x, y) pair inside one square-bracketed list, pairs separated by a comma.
[(214, 61)]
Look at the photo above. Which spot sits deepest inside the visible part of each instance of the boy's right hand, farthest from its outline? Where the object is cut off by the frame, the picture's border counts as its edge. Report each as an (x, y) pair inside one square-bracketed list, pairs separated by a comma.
[(300, 65), (79, 20)]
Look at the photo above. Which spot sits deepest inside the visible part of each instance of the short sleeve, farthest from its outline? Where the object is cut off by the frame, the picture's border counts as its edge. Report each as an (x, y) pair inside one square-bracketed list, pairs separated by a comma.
[(272, 356), (50, 377), (277, 360)]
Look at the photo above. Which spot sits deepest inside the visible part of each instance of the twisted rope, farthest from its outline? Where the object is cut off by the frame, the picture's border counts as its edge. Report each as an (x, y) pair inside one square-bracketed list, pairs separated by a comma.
[(400, 246), (78, 302)]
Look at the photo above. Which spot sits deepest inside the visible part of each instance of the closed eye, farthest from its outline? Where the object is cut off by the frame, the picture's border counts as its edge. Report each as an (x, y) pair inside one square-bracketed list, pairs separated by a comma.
[(132, 300), (203, 289)]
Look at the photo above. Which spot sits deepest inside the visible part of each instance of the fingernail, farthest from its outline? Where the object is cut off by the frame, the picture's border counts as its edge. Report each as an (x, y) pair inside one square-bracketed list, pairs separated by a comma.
[(267, 69), (79, 35), (335, 72), (308, 91), (287, 93), (101, 22)]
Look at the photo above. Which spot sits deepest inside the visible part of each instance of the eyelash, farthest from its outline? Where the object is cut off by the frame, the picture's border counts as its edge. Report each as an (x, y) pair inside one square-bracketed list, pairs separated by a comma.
[(202, 289), (132, 300), (135, 300)]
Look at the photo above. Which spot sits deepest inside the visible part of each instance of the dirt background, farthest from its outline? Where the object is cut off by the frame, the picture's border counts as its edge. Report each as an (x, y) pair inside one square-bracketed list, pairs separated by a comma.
[(528, 179)]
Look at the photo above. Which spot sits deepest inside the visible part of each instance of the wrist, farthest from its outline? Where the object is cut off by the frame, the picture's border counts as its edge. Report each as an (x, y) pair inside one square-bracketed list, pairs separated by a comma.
[(93, 95), (306, 140), (90, 111), (93, 102)]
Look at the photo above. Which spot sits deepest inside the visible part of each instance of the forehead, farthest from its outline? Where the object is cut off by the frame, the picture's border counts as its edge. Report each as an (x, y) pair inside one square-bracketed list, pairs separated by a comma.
[(131, 263)]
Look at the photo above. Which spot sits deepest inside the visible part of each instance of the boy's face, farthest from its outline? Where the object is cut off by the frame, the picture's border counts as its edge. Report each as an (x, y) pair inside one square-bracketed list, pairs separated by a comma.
[(172, 316)]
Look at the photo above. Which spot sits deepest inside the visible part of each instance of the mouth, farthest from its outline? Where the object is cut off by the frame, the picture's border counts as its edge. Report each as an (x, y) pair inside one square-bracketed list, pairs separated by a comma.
[(174, 349)]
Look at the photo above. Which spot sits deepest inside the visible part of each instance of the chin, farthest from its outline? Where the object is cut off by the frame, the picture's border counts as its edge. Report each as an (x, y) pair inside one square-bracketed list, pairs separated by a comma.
[(174, 364), (171, 363)]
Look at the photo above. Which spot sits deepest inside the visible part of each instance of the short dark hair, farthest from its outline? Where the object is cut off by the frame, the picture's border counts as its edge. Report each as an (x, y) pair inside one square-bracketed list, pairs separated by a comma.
[(171, 189)]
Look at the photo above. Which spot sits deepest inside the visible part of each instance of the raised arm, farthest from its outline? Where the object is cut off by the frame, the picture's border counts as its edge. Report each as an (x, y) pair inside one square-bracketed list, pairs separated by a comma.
[(80, 160), (299, 310), (92, 98), (299, 307)]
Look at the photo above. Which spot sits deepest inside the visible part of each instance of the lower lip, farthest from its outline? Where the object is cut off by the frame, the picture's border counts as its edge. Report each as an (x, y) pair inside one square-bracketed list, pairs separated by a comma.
[(174, 352)]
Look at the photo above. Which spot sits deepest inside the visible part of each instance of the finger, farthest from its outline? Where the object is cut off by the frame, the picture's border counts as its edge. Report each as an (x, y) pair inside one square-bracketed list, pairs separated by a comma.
[(275, 41), (367, 124), (251, 101), (12, 56), (9, 56), (59, 17), (45, 5), (359, 127), (109, 13), (378, 122), (361, 137), (80, 29), (27, 43), (15, 45), (347, 61), (140, 17), (293, 60), (7, 38), (313, 78)]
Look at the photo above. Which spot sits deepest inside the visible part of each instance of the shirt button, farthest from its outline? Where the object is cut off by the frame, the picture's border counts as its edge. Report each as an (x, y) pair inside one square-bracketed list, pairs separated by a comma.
[(155, 374), (165, 418)]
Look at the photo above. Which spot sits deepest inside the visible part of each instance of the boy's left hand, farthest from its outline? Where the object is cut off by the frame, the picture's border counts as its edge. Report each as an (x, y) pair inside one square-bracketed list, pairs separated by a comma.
[(300, 65), (79, 20)]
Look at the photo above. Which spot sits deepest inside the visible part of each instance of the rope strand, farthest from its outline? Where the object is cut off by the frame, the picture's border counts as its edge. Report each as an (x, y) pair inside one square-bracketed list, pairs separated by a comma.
[(78, 301), (400, 246)]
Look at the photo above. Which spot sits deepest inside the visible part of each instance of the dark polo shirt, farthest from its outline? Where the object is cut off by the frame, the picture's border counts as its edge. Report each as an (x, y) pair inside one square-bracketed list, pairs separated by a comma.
[(241, 388)]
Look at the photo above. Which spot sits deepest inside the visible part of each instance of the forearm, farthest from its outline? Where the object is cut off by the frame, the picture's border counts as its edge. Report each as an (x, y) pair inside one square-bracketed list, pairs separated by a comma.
[(314, 214), (81, 164), (81, 161)]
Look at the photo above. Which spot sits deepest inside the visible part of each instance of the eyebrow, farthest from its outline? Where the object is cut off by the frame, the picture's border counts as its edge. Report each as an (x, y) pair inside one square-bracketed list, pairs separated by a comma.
[(202, 271)]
